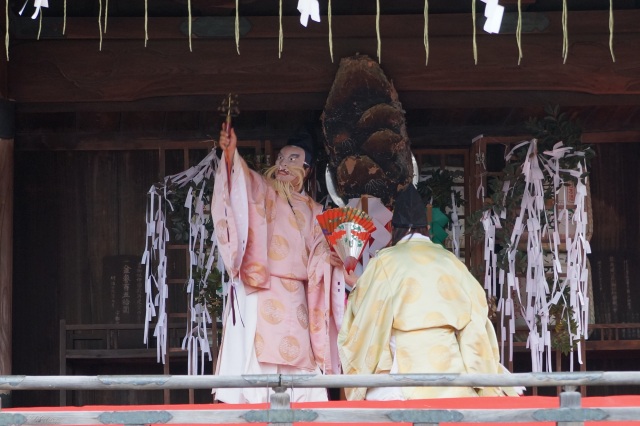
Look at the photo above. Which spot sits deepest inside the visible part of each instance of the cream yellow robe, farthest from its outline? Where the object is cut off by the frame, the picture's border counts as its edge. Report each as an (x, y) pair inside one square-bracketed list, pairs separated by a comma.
[(421, 300)]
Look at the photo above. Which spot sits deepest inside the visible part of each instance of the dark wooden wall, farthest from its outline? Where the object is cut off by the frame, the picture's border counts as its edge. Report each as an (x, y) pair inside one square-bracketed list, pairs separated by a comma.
[(73, 210), (615, 259), (6, 229), (6, 259)]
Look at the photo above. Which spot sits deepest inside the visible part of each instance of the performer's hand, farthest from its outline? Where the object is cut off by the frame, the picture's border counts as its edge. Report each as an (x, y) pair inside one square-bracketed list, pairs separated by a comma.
[(228, 141), (335, 260), (351, 278)]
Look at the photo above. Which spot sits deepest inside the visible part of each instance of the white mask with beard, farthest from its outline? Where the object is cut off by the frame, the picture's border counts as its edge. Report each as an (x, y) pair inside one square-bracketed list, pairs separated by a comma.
[(289, 172)]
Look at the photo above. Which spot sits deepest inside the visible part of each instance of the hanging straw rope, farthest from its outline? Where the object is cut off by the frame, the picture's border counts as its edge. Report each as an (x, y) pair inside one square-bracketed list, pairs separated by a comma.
[(100, 24), (280, 35), (64, 18), (613, 56), (426, 32), (6, 34), (378, 31), (565, 34), (189, 11), (106, 14), (40, 23), (146, 22), (519, 31), (330, 31), (475, 45), (237, 27)]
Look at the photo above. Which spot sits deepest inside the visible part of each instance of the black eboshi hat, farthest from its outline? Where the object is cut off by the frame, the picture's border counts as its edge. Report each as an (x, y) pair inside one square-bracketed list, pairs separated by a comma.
[(409, 211)]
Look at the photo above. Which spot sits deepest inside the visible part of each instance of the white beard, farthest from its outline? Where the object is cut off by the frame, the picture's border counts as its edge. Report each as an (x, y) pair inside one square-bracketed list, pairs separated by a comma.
[(285, 188)]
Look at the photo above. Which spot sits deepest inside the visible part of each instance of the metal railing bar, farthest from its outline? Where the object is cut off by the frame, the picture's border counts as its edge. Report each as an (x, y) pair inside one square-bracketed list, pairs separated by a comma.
[(151, 382), (280, 413)]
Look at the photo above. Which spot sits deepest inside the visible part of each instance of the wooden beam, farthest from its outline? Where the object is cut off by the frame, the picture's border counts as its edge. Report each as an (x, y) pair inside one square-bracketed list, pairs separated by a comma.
[(411, 100), (6, 257), (74, 70), (7, 119), (621, 136), (421, 137), (248, 102), (107, 142)]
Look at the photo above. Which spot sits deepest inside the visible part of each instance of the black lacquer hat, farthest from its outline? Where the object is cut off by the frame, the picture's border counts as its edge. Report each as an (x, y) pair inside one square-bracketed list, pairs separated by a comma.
[(409, 211)]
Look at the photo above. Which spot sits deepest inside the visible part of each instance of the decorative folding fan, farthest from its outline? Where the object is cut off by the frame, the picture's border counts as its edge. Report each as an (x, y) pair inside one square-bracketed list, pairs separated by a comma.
[(347, 230)]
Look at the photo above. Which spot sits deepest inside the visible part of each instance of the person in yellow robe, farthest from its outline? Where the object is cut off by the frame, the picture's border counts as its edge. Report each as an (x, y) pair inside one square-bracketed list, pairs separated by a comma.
[(417, 309)]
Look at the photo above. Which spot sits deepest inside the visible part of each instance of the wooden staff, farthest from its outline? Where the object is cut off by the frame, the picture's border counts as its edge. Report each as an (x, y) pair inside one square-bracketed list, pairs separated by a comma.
[(229, 109)]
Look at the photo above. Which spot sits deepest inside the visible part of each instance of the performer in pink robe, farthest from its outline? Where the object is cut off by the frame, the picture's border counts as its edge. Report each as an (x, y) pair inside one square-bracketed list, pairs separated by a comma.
[(286, 300)]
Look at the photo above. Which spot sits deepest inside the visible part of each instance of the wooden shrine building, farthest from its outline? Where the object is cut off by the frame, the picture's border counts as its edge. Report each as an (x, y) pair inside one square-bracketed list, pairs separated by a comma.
[(99, 100)]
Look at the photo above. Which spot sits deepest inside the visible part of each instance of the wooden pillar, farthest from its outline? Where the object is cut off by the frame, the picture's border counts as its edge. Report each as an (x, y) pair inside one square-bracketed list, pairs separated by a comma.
[(6, 240)]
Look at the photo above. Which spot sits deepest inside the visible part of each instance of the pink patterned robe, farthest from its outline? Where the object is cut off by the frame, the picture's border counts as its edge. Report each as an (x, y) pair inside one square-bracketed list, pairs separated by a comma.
[(287, 302)]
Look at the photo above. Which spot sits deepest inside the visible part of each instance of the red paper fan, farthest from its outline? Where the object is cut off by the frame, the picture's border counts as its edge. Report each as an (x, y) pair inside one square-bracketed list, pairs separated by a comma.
[(347, 230)]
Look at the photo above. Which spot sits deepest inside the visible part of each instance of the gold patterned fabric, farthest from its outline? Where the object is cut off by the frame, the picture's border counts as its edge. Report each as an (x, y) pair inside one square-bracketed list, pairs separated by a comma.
[(423, 299), (278, 316)]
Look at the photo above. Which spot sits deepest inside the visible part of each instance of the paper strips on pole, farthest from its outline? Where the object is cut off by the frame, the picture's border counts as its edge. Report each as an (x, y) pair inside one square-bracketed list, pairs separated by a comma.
[(196, 340), (542, 229)]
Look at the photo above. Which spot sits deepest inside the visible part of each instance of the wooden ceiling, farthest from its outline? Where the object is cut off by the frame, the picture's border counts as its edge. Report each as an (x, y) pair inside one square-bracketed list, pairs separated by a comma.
[(83, 69)]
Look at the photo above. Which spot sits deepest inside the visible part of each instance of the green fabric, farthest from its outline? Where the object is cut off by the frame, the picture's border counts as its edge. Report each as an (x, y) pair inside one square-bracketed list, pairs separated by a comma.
[(439, 222)]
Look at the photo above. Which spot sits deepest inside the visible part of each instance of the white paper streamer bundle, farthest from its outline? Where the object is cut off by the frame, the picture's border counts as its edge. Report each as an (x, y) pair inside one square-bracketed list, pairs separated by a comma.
[(308, 9), (380, 237), (201, 257), (37, 4), (155, 252), (456, 226), (539, 227)]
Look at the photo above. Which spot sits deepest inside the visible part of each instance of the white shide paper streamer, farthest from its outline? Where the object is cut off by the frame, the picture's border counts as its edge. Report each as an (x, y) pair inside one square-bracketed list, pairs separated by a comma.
[(196, 340), (308, 9), (537, 296), (493, 12)]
